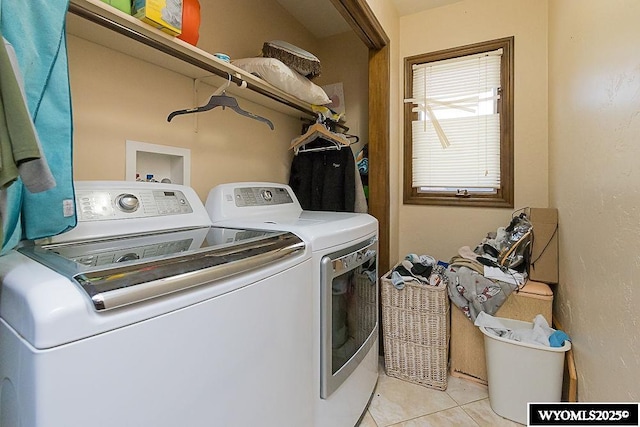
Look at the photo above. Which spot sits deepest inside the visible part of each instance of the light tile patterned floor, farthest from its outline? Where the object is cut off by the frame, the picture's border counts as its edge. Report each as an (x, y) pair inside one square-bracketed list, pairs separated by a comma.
[(400, 403)]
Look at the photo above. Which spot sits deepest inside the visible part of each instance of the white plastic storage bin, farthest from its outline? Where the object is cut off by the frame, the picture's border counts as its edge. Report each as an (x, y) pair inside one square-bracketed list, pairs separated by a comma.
[(519, 373)]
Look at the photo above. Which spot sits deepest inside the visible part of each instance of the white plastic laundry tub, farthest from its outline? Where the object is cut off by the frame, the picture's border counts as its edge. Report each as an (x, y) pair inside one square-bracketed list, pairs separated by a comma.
[(519, 373)]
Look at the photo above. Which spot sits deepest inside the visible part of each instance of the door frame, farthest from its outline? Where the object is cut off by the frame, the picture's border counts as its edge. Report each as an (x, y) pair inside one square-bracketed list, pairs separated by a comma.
[(364, 23)]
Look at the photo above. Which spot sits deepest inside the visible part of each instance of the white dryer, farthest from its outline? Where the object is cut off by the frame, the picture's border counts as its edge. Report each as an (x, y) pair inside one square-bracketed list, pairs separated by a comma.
[(345, 289), (145, 315)]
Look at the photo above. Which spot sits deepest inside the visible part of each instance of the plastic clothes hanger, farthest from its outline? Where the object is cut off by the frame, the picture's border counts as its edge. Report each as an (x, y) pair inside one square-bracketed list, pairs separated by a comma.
[(219, 99), (316, 131)]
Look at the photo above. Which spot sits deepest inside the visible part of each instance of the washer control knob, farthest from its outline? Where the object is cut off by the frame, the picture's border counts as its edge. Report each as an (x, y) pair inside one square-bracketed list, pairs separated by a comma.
[(127, 202)]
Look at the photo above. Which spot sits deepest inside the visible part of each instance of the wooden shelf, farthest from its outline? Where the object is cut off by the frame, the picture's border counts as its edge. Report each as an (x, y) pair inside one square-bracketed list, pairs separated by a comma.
[(96, 21)]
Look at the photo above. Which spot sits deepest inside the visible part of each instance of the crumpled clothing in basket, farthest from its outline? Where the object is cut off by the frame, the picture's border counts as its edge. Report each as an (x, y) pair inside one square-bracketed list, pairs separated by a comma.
[(473, 292), (421, 269)]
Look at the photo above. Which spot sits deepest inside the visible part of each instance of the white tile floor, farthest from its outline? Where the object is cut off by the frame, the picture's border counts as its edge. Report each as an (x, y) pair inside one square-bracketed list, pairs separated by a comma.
[(400, 403)]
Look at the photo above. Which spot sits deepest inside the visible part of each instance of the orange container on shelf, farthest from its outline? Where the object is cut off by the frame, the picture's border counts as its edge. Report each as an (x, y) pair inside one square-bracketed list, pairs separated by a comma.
[(190, 21)]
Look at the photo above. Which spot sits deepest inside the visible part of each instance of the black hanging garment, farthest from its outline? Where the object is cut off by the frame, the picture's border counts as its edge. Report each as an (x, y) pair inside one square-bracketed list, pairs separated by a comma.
[(324, 180)]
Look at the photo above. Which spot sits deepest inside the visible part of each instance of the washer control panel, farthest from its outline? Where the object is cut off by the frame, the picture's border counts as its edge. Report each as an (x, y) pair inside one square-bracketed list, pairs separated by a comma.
[(261, 196), (96, 205), (93, 257)]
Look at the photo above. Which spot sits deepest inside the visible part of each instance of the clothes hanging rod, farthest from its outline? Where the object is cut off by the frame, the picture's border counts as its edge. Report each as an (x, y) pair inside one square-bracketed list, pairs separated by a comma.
[(175, 53)]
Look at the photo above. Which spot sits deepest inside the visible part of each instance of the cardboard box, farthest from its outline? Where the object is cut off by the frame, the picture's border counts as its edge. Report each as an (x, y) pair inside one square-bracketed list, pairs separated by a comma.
[(123, 5), (544, 254), (163, 14), (467, 342)]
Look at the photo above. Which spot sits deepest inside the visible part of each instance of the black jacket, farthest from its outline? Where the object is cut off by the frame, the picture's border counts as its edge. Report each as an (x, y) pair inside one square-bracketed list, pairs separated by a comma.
[(324, 180)]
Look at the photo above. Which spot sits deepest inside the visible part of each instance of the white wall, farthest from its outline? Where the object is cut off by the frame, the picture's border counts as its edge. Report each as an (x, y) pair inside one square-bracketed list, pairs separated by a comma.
[(118, 97), (588, 109), (439, 230), (345, 59), (594, 123)]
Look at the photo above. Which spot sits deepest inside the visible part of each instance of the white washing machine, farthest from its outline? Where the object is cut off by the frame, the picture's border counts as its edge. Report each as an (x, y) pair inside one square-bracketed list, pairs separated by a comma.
[(144, 315), (345, 289)]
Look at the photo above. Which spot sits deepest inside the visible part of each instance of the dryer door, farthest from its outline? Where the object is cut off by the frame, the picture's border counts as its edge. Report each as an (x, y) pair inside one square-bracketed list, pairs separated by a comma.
[(348, 312)]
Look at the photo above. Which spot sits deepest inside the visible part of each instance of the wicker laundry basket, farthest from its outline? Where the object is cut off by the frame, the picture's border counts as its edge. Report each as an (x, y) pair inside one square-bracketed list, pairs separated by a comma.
[(415, 327), (366, 307)]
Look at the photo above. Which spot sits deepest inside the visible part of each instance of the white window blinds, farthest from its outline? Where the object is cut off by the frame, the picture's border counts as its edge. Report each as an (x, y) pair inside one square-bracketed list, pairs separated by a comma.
[(456, 139)]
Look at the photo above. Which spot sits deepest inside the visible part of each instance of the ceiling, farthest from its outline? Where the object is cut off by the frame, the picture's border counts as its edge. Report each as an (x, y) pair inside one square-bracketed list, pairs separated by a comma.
[(322, 19), (409, 7)]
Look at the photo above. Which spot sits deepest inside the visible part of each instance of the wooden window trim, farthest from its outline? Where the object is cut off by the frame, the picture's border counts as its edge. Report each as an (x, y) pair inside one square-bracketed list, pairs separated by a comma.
[(504, 198)]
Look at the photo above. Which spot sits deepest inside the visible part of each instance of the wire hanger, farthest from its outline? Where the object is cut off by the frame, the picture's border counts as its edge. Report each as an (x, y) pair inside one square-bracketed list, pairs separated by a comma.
[(219, 99), (318, 131)]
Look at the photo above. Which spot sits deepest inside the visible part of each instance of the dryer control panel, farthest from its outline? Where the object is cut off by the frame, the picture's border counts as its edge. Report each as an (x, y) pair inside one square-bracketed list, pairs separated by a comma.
[(266, 200), (261, 196)]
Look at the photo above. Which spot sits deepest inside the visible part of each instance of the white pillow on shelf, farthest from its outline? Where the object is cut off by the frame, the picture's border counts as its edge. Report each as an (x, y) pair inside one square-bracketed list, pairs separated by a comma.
[(284, 78)]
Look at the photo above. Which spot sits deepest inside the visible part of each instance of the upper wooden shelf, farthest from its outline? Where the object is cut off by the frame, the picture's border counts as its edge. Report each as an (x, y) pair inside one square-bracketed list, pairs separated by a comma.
[(126, 34)]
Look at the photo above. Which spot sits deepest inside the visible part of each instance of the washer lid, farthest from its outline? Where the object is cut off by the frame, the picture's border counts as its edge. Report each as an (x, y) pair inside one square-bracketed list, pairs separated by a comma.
[(115, 272)]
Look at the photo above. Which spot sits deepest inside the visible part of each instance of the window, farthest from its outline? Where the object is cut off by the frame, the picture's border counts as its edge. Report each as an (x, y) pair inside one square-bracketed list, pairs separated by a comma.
[(458, 126)]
